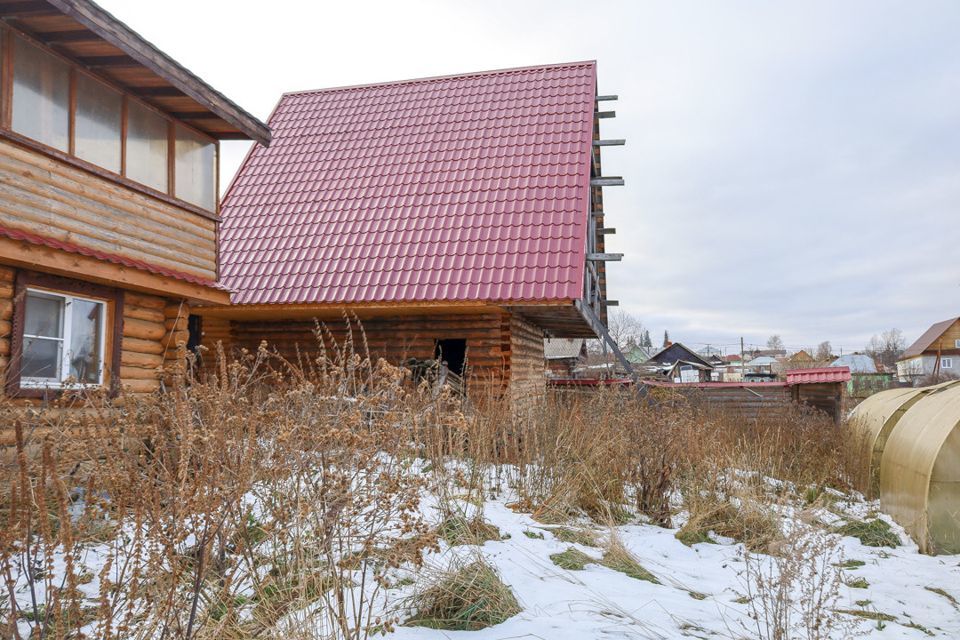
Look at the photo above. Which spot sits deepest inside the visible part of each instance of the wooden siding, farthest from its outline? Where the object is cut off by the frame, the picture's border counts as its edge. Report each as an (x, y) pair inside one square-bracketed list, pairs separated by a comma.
[(946, 344), (51, 198)]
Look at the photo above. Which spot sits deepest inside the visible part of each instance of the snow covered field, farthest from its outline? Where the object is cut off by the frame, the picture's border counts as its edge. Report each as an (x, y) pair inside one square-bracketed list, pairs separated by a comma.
[(701, 595)]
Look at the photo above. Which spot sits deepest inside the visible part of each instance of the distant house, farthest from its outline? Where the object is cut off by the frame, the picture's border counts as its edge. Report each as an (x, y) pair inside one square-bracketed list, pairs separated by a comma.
[(763, 364), (801, 358), (637, 354), (857, 362), (681, 364), (937, 351), (564, 355)]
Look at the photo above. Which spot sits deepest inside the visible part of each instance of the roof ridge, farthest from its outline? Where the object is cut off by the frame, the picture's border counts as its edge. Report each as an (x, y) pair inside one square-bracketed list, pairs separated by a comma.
[(452, 76)]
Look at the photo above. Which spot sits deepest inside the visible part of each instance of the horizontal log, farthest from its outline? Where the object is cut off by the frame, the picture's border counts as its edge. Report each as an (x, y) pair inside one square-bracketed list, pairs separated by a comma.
[(176, 309), (7, 274), (144, 360), (6, 327), (138, 373), (143, 313), (139, 345), (73, 186), (6, 290), (4, 346), (143, 329), (140, 386), (144, 300), (6, 308)]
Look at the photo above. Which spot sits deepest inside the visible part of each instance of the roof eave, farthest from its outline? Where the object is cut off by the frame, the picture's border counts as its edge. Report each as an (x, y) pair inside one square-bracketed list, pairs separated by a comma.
[(105, 25)]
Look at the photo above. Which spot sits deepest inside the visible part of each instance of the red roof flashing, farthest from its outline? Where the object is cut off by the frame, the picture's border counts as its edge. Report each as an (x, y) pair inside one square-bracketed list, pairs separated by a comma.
[(818, 375), (44, 241), (463, 188)]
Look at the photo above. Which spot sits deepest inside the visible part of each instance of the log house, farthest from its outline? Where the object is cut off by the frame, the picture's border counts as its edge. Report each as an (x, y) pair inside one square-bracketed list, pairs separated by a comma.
[(109, 207), (458, 218)]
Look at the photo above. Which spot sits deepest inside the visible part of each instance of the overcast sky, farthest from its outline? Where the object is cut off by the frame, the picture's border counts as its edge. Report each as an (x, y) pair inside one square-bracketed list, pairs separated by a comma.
[(791, 167)]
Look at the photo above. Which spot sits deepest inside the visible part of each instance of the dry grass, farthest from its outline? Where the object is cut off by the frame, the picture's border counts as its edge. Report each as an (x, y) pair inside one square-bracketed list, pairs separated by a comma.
[(465, 597), (266, 498)]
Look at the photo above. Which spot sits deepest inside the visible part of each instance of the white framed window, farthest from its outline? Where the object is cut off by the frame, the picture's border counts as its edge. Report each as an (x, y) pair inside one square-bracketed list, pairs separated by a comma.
[(63, 340), (956, 343), (946, 363)]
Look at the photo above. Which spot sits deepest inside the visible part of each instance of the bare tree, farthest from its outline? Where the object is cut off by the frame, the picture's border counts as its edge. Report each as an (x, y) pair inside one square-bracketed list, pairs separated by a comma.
[(625, 328), (775, 343), (824, 352), (887, 347)]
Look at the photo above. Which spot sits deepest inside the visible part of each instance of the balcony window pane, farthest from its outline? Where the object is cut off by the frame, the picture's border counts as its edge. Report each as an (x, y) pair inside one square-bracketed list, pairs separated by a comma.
[(98, 123), (195, 169), (146, 147), (41, 95)]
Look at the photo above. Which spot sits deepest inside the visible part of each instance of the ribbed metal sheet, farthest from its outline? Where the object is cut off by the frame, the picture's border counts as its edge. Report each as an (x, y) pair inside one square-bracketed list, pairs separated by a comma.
[(463, 188), (819, 375), (69, 247)]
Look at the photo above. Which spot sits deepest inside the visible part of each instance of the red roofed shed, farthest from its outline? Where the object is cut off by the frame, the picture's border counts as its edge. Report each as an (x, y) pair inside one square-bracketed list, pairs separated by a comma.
[(461, 213)]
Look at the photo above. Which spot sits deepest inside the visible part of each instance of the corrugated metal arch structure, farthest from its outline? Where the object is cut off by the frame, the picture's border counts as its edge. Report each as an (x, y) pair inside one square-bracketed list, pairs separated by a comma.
[(873, 420), (920, 471)]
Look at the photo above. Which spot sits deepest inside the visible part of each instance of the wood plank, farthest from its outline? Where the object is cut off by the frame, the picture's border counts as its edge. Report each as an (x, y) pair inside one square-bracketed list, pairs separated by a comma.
[(606, 230), (616, 142), (612, 181), (607, 98), (605, 257), (606, 114)]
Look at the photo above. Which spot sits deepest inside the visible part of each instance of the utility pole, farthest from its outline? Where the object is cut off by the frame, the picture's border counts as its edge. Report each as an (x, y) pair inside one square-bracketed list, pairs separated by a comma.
[(742, 363)]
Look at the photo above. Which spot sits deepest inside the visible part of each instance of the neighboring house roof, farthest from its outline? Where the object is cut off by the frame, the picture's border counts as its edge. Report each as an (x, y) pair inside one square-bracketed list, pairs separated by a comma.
[(929, 336), (801, 356), (465, 188), (95, 38), (856, 362), (818, 375), (637, 354), (562, 348), (762, 361), (681, 352)]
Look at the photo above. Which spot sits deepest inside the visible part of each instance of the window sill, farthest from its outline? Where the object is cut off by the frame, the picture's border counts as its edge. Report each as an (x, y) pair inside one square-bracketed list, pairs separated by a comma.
[(100, 172)]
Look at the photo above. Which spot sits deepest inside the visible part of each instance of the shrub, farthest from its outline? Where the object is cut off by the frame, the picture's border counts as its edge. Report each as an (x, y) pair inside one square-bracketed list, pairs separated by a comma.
[(464, 598)]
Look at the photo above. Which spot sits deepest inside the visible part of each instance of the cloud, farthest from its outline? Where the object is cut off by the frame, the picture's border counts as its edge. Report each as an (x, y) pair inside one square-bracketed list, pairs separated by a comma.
[(791, 168)]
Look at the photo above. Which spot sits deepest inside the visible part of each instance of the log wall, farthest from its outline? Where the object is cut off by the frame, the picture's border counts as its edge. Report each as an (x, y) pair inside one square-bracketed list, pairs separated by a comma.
[(47, 197), (152, 328), (527, 363), (501, 349)]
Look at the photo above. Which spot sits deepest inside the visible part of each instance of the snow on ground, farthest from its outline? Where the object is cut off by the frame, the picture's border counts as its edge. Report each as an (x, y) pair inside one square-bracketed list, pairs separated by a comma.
[(601, 603)]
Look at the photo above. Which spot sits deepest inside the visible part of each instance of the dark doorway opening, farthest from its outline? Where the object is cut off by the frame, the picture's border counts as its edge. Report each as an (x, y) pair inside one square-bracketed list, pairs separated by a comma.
[(453, 352), (194, 332)]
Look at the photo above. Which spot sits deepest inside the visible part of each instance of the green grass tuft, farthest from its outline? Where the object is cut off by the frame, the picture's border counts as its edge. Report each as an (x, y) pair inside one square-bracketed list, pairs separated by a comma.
[(535, 535), (575, 536), (875, 533), (571, 559), (858, 583), (869, 615), (457, 530), (851, 564), (466, 598)]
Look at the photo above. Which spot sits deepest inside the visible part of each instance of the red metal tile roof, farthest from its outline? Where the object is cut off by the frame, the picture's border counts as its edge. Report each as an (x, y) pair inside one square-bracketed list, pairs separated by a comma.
[(464, 188), (822, 374), (44, 241)]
